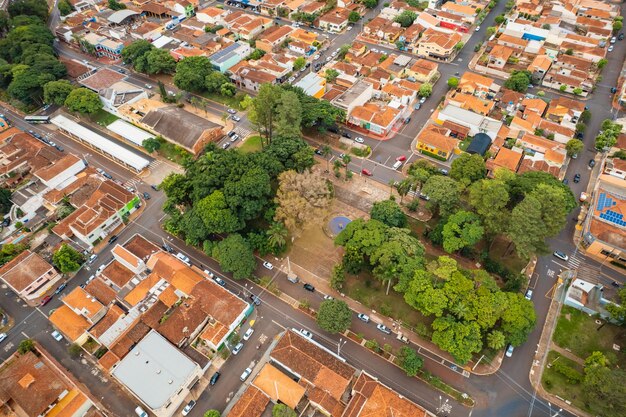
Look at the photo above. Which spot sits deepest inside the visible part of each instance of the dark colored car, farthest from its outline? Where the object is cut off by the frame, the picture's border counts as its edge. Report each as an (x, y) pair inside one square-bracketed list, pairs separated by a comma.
[(318, 151), (60, 288), (155, 187), (615, 284), (613, 90), (256, 300), (59, 148), (620, 36), (214, 378), (45, 300), (146, 196), (592, 163), (565, 181), (107, 175), (113, 239), (309, 287), (577, 178), (167, 248), (346, 135)]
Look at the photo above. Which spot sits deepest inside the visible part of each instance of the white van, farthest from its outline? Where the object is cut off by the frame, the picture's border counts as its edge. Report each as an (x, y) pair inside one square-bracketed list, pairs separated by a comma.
[(183, 258), (139, 411), (397, 165)]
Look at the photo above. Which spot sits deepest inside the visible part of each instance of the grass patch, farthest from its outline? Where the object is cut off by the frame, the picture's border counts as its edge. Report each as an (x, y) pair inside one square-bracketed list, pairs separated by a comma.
[(464, 144), (579, 333), (370, 292), (103, 118), (557, 384), (173, 152), (232, 102), (252, 144)]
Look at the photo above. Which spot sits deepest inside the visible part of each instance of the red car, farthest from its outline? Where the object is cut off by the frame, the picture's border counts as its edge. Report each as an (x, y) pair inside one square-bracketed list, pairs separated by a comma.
[(401, 158), (367, 172), (46, 300)]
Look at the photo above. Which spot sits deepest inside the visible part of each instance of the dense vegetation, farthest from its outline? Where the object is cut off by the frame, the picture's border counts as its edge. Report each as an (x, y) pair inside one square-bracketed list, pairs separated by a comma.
[(27, 60)]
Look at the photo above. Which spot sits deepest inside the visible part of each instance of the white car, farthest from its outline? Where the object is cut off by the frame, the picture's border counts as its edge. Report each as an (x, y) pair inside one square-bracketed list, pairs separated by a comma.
[(57, 336), (189, 407), (268, 265), (245, 374), (610, 49), (363, 317), (349, 28), (232, 111), (561, 255), (237, 348), (328, 297), (529, 294), (383, 328), (220, 281), (334, 54), (248, 334), (329, 58), (306, 333), (359, 140), (209, 273), (3, 336), (291, 79), (613, 39), (477, 28), (509, 351), (148, 86)]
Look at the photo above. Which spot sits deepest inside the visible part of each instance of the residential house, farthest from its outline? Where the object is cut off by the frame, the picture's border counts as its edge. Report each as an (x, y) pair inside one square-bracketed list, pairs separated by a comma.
[(56, 174), (436, 141), (103, 46), (505, 158), (148, 31), (421, 70), (540, 66), (304, 36), (251, 78), (272, 38), (499, 56), (437, 44), (357, 95), (313, 85), (212, 15), (229, 56), (470, 102), (335, 20), (478, 85), (378, 119), (29, 276), (475, 122), (565, 111)]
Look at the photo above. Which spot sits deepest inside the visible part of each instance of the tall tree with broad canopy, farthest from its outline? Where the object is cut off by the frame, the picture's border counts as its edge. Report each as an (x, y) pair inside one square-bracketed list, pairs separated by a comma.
[(462, 229), (235, 255), (334, 316), (191, 73), (83, 100), (388, 212), (444, 194), (468, 168), (289, 115)]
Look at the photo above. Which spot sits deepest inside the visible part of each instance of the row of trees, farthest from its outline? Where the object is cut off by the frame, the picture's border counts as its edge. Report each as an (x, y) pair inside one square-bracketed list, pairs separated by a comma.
[(63, 93), (144, 57), (286, 110), (27, 60), (607, 138)]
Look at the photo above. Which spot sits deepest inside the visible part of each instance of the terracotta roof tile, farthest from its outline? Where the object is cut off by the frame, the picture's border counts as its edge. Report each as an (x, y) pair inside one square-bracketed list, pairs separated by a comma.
[(69, 323)]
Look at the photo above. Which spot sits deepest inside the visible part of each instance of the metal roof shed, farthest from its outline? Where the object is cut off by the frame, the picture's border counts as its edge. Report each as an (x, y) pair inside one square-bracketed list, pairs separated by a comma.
[(479, 145), (129, 132), (110, 149)]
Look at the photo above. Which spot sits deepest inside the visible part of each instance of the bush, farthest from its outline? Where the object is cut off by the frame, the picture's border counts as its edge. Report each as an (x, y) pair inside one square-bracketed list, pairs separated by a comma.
[(413, 205), (26, 345), (75, 350), (572, 375)]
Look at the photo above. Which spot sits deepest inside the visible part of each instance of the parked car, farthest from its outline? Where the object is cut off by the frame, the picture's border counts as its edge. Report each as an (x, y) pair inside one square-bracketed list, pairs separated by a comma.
[(57, 336), (235, 118), (613, 39), (328, 297), (140, 412), (248, 334), (59, 148), (226, 145), (401, 158), (615, 284), (3, 336), (422, 100), (237, 348), (424, 197), (610, 48), (60, 288), (104, 173), (189, 407), (183, 258), (477, 28), (561, 255), (620, 36), (363, 317), (148, 86), (256, 300), (234, 138), (214, 378), (45, 300), (366, 171), (443, 171), (592, 163), (318, 151), (167, 248), (565, 181), (613, 90), (577, 178), (383, 328), (232, 111), (268, 265), (359, 140), (509, 351), (306, 333), (146, 195), (113, 238), (154, 187), (245, 374), (309, 287), (529, 294), (220, 281)]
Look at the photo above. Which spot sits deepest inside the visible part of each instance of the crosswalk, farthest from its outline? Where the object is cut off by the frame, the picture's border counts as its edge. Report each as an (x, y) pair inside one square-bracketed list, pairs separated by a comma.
[(243, 132), (575, 261)]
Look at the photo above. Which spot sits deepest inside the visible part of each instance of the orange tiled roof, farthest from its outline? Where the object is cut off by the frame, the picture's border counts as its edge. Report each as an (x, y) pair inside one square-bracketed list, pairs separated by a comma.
[(69, 323)]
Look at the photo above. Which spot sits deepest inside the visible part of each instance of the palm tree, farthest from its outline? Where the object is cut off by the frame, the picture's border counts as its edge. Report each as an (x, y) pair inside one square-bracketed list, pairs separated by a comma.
[(277, 235), (326, 151), (403, 187), (346, 161)]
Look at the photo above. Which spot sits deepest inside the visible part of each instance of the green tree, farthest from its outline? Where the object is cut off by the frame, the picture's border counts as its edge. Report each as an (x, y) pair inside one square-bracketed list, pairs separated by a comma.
[(518, 81), (496, 340), (299, 63), (406, 18), (151, 144), (389, 213), (462, 229), (573, 146), (518, 318), (191, 73), (443, 193), (602, 63), (235, 255), (115, 5), (490, 198), (5, 201), (453, 83), (618, 311), (410, 361), (36, 8), (65, 7), (83, 100), (468, 168), (25, 346), (526, 228), (136, 50), (277, 236), (281, 410), (500, 19), (461, 339), (74, 350), (212, 413), (334, 316), (56, 92), (354, 17), (370, 4), (338, 277), (214, 81), (617, 26), (331, 75), (159, 61), (459, 46), (425, 90), (67, 259), (289, 115), (216, 214), (263, 110)]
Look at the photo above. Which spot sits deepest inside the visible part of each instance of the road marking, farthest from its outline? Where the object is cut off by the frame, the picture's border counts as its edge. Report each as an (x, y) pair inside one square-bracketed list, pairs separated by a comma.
[(550, 273), (561, 265)]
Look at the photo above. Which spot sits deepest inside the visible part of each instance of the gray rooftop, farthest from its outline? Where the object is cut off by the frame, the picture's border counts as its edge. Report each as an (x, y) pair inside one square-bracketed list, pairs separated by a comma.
[(155, 370)]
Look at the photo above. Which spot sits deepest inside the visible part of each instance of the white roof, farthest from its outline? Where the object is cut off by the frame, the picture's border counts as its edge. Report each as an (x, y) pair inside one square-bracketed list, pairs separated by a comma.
[(120, 15), (106, 146), (583, 285), (129, 131), (155, 370), (162, 41)]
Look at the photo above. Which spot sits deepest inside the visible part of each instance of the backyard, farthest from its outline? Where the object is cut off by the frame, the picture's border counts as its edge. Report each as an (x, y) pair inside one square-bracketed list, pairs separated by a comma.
[(579, 333), (556, 383)]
